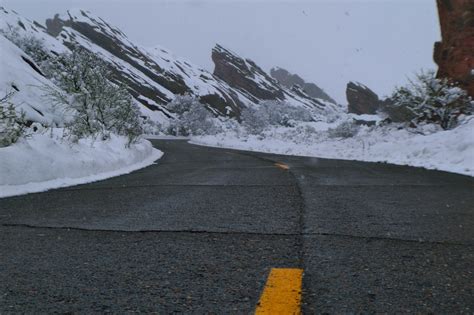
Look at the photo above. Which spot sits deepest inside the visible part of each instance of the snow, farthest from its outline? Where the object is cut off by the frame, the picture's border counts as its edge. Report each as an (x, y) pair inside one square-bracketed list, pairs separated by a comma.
[(10, 20), (451, 151), (42, 162), (15, 71)]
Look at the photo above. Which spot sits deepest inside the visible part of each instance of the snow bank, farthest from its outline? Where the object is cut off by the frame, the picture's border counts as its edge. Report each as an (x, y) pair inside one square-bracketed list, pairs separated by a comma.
[(451, 150), (42, 162)]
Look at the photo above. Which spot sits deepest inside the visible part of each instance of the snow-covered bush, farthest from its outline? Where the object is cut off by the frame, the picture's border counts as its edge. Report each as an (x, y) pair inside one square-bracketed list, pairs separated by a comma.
[(429, 99), (192, 118), (31, 45), (346, 129), (99, 106), (273, 113), (12, 124)]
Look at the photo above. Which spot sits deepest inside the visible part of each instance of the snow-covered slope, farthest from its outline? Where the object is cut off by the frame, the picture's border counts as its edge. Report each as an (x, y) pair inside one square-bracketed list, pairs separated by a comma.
[(154, 76), (11, 21), (20, 75)]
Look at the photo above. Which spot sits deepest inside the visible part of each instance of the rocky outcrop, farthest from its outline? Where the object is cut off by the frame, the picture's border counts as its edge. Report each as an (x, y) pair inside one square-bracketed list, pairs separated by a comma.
[(361, 99), (255, 84), (287, 79), (152, 76), (455, 53), (244, 75)]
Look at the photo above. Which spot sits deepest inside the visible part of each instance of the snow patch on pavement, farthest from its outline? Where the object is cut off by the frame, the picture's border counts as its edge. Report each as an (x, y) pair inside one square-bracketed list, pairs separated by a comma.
[(42, 162)]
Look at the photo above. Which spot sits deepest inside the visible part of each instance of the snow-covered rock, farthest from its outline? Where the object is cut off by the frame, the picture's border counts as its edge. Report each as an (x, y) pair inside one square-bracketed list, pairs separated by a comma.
[(252, 81), (288, 80), (154, 76)]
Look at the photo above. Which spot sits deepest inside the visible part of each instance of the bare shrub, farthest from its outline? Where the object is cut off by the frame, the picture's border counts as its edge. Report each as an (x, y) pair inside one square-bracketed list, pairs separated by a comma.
[(430, 100), (346, 129)]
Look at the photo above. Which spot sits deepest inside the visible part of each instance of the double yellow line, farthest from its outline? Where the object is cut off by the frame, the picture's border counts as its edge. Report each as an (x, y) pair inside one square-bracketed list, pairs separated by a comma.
[(282, 292)]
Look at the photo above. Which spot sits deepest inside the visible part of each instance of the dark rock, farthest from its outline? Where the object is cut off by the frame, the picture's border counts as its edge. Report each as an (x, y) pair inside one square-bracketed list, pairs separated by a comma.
[(455, 53), (361, 99), (247, 77), (362, 122), (244, 75), (288, 80)]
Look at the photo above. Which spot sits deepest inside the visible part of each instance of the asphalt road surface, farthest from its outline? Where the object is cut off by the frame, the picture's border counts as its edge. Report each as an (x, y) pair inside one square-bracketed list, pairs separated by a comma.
[(199, 232)]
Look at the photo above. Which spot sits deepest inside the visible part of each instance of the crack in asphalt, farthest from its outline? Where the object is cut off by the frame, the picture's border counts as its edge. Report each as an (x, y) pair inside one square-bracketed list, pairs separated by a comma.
[(190, 231), (104, 187)]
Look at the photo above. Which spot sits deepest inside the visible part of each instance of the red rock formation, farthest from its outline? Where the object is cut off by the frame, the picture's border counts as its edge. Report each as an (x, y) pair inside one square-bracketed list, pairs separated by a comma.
[(455, 53), (255, 84), (245, 75)]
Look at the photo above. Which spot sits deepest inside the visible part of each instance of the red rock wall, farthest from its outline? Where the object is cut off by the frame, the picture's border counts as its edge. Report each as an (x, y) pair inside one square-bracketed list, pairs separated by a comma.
[(455, 53)]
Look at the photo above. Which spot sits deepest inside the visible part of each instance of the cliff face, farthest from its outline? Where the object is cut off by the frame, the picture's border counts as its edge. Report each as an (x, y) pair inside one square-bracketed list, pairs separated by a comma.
[(255, 84), (455, 53), (288, 80), (361, 99), (244, 75)]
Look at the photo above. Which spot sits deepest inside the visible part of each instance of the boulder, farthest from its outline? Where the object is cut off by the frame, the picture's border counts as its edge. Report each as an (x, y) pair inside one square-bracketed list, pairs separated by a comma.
[(361, 99)]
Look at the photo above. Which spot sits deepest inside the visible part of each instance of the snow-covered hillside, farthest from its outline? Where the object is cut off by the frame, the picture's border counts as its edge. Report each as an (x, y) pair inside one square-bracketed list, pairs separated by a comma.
[(44, 158), (154, 76), (20, 76)]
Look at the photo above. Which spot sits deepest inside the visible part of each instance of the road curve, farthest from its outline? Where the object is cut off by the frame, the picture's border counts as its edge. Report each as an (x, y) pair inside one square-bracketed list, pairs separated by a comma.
[(200, 231)]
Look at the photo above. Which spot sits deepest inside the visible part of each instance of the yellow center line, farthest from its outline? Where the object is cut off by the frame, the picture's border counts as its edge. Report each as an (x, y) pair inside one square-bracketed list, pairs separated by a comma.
[(282, 292), (283, 166)]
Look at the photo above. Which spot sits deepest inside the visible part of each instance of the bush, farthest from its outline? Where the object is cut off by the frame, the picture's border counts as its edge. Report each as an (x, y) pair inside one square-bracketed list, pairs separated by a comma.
[(273, 113), (346, 129), (99, 107), (31, 45), (12, 124), (192, 118), (431, 100)]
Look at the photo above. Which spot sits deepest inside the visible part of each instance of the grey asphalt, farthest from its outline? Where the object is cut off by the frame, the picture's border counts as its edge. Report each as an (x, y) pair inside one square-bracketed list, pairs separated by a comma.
[(199, 231)]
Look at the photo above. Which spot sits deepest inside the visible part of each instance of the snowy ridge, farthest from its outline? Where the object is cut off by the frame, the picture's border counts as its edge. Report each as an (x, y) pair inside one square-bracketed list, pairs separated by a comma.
[(253, 82), (154, 76)]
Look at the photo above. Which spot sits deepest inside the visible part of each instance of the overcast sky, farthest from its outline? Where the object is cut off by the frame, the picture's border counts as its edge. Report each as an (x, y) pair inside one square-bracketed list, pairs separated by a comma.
[(327, 42)]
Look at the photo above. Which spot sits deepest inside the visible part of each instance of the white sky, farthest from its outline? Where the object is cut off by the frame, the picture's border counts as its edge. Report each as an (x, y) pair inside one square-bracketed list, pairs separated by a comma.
[(329, 42)]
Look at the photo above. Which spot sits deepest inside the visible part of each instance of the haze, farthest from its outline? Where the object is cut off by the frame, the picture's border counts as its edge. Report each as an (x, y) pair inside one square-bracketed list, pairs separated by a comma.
[(329, 43)]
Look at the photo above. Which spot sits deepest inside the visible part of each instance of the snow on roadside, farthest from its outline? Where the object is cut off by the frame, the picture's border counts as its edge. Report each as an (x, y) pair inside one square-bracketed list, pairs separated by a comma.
[(42, 162), (451, 151)]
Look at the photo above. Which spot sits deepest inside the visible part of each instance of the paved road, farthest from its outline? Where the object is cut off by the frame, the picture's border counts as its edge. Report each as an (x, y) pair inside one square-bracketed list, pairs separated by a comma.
[(199, 231)]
